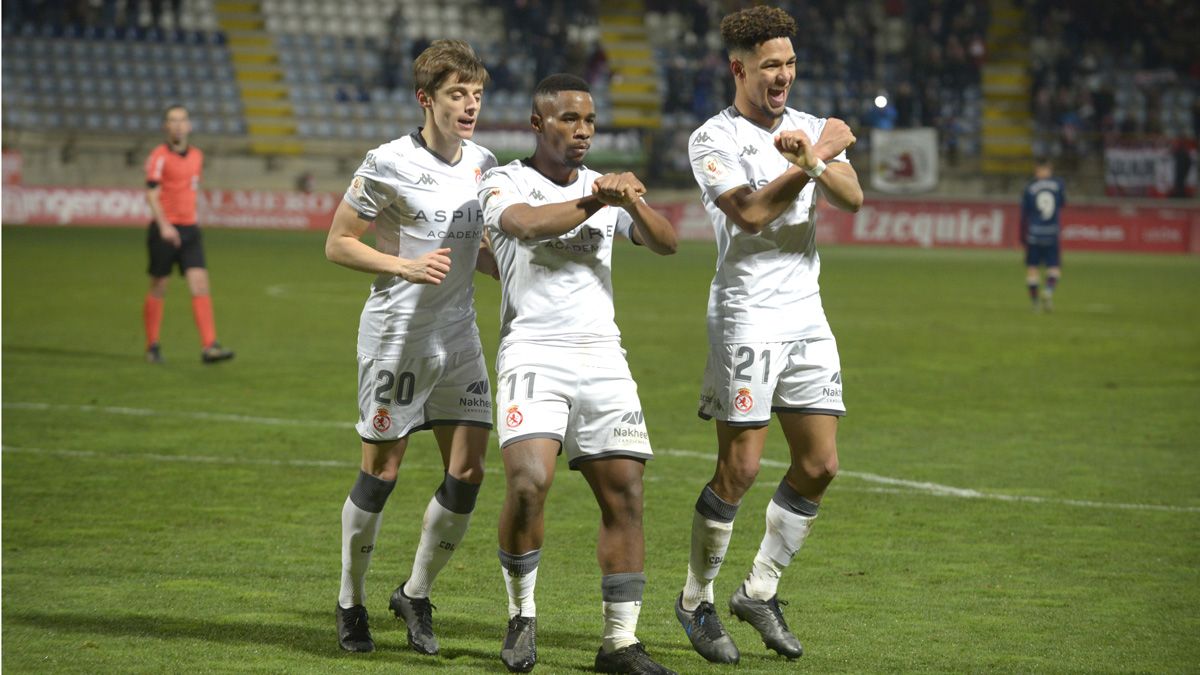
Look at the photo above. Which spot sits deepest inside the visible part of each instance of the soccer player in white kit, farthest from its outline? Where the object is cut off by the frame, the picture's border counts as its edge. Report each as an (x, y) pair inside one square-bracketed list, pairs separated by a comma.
[(563, 385), (759, 165), (420, 364)]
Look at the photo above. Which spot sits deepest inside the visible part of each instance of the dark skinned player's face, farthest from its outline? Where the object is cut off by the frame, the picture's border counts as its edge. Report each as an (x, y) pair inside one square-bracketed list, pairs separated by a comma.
[(565, 124)]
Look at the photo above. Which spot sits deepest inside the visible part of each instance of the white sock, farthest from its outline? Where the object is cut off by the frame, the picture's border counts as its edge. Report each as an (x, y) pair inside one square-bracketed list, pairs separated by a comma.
[(620, 624), (441, 533), (710, 541), (359, 530), (785, 535), (520, 593)]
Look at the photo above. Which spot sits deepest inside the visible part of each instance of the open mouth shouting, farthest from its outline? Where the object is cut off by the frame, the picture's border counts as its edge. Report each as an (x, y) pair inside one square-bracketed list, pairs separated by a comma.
[(777, 96)]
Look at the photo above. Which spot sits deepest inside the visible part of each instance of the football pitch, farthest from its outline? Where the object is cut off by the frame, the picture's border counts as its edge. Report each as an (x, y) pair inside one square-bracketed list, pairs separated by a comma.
[(1018, 491)]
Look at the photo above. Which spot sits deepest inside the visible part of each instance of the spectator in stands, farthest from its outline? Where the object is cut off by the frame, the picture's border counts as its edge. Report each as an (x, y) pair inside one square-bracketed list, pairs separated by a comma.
[(596, 71), (391, 61)]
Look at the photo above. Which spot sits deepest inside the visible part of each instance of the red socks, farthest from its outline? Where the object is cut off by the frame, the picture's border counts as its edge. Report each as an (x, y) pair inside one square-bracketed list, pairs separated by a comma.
[(203, 313), (152, 312)]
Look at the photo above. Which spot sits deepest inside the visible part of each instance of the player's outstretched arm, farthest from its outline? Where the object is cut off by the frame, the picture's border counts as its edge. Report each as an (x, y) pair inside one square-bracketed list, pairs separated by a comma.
[(344, 246), (527, 222), (650, 228)]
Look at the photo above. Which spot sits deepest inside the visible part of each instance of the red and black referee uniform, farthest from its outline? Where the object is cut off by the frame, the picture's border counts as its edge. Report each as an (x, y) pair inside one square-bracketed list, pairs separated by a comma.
[(177, 177)]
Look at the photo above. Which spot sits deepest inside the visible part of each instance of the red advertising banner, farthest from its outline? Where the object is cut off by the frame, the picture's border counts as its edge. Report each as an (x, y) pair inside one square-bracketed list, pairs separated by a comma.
[(924, 224), (41, 205), (880, 222), (982, 224)]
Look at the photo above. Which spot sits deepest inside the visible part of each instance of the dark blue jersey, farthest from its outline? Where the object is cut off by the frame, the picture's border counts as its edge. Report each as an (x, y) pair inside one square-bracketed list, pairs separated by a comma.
[(1041, 204)]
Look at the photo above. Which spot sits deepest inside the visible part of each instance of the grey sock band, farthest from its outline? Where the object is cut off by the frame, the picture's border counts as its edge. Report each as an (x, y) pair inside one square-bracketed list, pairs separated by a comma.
[(520, 565), (713, 507), (624, 587), (370, 493), (456, 495), (791, 500)]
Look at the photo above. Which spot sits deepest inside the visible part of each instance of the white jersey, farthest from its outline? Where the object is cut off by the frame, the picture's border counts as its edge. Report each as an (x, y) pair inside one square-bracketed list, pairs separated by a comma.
[(765, 288), (556, 290), (420, 203)]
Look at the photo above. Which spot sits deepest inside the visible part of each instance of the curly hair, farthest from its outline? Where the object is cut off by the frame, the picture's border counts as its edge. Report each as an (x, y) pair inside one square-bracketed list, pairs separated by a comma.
[(443, 58), (745, 30)]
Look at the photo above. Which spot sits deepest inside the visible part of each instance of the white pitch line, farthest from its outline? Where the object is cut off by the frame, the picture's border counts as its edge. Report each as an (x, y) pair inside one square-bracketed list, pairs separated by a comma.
[(191, 459), (938, 490), (187, 414), (933, 489)]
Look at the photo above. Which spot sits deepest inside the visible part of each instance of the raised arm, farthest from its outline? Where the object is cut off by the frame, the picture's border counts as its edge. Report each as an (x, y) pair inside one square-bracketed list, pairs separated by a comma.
[(752, 210), (650, 228), (527, 222), (838, 180), (345, 247)]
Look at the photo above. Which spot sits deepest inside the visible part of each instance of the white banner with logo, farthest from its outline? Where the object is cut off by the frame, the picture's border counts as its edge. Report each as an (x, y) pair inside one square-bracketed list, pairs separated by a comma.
[(904, 161)]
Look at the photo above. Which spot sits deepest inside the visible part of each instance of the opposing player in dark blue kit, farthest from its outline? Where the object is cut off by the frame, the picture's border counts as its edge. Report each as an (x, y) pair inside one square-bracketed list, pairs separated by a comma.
[(1041, 205)]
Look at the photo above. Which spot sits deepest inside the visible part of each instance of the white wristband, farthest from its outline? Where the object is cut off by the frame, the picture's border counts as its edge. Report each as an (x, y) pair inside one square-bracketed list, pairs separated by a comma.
[(816, 170)]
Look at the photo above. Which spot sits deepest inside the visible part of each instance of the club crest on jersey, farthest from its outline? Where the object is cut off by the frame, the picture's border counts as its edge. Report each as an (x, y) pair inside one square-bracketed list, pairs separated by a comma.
[(513, 418), (356, 187), (382, 421), (713, 168), (743, 401), (478, 174)]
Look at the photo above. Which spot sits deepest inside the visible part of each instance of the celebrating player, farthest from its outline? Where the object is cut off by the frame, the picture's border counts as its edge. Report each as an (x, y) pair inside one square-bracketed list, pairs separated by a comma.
[(420, 364), (562, 381), (1041, 204), (172, 178), (759, 164)]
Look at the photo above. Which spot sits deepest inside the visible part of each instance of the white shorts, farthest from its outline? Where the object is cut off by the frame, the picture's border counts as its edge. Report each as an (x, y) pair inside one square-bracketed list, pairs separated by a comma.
[(582, 397), (745, 383), (399, 396)]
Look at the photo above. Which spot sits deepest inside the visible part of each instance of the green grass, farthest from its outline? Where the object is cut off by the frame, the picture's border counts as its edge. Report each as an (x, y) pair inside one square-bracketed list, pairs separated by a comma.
[(179, 541)]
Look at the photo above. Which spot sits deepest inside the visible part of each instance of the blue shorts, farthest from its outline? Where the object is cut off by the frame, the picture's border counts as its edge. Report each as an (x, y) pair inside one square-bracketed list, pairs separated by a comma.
[(1041, 255)]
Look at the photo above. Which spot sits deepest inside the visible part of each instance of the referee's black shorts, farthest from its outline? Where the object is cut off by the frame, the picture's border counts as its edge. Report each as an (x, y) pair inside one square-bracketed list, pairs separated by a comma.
[(164, 256)]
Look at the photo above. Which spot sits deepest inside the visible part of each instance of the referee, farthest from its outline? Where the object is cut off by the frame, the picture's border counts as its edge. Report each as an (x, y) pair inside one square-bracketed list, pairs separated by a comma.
[(172, 177)]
